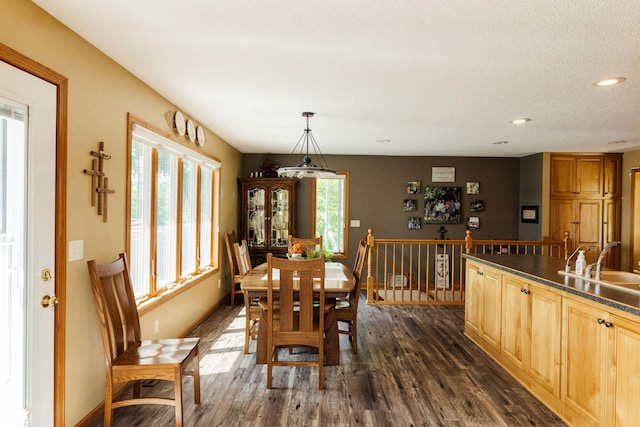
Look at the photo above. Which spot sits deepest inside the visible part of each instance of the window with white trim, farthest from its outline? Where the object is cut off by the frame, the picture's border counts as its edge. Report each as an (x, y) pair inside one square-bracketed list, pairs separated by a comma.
[(172, 210), (330, 211)]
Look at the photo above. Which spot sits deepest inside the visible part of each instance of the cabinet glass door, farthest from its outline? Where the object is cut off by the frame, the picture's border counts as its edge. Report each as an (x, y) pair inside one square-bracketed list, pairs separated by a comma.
[(256, 228), (279, 217)]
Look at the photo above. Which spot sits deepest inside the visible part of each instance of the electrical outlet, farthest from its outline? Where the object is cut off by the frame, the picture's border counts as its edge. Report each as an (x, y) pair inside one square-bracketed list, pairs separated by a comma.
[(156, 326)]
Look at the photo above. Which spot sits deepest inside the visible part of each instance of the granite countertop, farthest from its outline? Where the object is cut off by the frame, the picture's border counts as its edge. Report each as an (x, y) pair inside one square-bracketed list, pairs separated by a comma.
[(544, 269)]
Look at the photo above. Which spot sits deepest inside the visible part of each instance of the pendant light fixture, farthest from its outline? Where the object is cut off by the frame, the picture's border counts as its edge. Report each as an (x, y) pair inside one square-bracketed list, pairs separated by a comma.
[(306, 169)]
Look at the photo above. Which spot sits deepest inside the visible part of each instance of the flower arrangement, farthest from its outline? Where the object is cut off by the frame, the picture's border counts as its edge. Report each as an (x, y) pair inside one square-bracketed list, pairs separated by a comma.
[(297, 248)]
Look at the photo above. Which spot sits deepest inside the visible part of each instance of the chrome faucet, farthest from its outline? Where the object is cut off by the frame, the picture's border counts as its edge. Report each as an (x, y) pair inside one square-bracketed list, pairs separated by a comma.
[(598, 264)]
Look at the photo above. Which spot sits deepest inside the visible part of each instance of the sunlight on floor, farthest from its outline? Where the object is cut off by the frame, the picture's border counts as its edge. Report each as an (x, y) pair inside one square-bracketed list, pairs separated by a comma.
[(224, 352)]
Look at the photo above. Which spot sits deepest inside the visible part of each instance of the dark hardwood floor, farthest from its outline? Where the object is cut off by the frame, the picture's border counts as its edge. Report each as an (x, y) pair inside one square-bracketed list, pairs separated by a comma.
[(414, 368)]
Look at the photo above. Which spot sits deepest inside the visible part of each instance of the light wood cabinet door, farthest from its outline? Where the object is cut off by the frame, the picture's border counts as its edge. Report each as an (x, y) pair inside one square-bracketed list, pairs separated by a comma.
[(589, 171), (584, 363), (545, 333), (531, 332), (473, 299), (624, 410), (563, 176), (583, 219), (491, 300), (515, 321), (611, 213), (612, 179)]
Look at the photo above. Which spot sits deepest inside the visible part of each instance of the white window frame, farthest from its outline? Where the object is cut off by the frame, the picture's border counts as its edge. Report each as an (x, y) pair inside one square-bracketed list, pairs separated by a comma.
[(344, 253), (154, 142)]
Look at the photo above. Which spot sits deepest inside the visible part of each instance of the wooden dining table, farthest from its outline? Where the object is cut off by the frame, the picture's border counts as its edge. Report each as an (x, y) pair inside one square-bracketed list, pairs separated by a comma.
[(338, 282)]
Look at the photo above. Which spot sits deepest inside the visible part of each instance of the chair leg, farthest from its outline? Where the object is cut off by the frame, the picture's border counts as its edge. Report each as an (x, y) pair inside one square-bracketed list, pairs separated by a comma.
[(108, 402), (354, 341)]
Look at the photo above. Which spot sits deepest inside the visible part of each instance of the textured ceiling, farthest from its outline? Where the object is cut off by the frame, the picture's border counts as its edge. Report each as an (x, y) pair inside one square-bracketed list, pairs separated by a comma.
[(436, 78)]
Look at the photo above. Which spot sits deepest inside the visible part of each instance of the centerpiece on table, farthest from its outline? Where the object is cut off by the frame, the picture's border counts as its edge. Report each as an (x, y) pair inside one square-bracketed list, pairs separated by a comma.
[(297, 251)]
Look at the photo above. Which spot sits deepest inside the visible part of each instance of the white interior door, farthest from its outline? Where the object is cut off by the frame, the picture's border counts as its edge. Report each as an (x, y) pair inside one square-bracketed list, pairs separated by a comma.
[(27, 247)]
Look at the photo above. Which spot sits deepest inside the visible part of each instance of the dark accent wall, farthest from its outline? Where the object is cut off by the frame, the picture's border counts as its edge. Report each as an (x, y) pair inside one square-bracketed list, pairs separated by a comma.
[(531, 194), (378, 189)]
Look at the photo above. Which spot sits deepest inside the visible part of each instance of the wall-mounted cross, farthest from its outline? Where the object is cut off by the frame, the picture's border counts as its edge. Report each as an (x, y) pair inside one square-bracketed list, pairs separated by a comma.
[(99, 190)]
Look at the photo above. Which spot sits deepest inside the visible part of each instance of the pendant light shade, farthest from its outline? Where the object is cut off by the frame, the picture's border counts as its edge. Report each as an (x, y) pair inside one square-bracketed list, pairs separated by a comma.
[(306, 169)]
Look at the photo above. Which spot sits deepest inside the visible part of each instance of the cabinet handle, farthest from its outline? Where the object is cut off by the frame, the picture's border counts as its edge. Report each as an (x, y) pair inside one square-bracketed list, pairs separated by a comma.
[(608, 324), (480, 273), (600, 321), (524, 291)]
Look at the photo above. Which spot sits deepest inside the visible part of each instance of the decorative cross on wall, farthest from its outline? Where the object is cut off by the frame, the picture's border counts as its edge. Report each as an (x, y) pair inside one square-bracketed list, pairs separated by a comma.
[(99, 186)]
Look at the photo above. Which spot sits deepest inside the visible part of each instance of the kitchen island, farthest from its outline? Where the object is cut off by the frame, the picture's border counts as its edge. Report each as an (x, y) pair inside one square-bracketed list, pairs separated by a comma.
[(571, 342)]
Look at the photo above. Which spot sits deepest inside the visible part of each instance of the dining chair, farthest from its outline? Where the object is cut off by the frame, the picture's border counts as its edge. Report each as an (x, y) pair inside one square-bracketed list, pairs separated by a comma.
[(230, 239), (293, 318), (252, 309), (347, 308), (129, 358), (313, 243)]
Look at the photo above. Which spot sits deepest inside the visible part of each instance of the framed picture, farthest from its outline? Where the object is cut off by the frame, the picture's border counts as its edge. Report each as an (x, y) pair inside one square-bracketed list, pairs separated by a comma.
[(413, 187), (529, 214), (473, 223), (473, 187), (414, 223), (476, 206), (442, 205), (410, 205), (443, 174)]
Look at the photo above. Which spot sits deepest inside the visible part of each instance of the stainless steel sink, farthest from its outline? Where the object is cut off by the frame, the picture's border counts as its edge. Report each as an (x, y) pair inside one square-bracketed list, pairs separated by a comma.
[(623, 280)]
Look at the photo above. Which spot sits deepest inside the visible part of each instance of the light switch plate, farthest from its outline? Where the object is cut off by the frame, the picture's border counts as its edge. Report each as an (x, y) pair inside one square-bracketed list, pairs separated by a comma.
[(76, 250), (355, 223)]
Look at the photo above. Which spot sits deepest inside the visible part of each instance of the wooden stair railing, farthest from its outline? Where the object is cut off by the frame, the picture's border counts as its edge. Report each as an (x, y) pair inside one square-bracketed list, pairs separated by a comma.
[(404, 271)]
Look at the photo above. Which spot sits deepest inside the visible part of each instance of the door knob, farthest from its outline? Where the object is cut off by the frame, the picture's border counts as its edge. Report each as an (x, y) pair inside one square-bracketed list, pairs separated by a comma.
[(45, 275), (49, 301)]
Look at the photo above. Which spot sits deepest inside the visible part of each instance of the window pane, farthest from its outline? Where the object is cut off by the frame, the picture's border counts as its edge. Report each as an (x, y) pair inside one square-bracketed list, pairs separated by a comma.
[(330, 213), (166, 211), (206, 177), (140, 233), (189, 201)]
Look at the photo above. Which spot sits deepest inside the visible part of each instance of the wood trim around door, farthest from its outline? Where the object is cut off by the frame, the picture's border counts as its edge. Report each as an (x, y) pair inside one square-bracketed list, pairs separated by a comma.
[(36, 69)]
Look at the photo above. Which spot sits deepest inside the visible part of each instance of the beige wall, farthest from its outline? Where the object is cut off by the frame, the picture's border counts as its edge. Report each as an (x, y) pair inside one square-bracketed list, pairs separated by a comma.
[(101, 93)]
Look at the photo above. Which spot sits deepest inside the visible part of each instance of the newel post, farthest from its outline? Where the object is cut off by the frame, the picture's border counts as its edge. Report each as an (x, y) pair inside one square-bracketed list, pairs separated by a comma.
[(468, 242), (370, 243)]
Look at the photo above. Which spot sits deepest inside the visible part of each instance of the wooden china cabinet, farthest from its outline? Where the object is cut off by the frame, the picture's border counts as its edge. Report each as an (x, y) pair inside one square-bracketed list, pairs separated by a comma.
[(267, 215)]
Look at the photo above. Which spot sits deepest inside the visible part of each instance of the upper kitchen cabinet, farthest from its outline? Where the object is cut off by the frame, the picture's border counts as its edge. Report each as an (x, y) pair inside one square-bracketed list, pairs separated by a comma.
[(585, 176), (267, 215)]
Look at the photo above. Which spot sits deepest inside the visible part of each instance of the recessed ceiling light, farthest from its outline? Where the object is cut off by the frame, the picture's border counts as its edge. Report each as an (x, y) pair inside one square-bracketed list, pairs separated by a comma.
[(520, 121), (500, 142), (383, 140), (617, 142), (610, 81)]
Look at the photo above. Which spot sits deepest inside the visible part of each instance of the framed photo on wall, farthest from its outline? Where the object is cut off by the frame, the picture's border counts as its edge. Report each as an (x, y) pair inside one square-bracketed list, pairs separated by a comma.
[(476, 206), (473, 223), (410, 205), (442, 205), (414, 223), (414, 187), (529, 214), (473, 187)]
